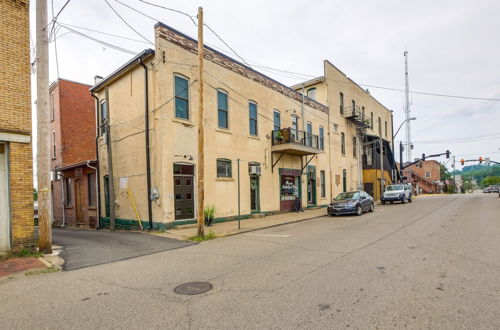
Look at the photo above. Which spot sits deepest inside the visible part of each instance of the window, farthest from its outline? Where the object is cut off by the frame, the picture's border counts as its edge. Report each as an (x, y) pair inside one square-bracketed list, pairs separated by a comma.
[(363, 113), (224, 168), (321, 138), (252, 108), (354, 147), (104, 116), (342, 143), (181, 98), (322, 182), (379, 126), (371, 120), (295, 127), (277, 120), (427, 174), (309, 138), (68, 195), (353, 103), (222, 109), (52, 114), (53, 142), (341, 103), (385, 123), (311, 93), (91, 185)]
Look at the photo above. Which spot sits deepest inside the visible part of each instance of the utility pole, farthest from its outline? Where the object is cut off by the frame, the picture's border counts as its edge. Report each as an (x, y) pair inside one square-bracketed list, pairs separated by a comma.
[(407, 111), (454, 180), (43, 129), (201, 155), (381, 166)]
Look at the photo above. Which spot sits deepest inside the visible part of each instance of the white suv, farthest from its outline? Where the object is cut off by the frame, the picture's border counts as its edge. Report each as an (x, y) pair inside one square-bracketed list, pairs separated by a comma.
[(397, 192)]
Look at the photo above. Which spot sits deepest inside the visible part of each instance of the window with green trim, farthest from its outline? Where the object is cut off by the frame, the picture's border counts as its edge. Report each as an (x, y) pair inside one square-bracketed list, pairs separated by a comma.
[(181, 98), (222, 110)]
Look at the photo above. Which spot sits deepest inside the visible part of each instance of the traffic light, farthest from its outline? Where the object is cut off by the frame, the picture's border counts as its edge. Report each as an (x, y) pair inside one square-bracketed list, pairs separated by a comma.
[(447, 154), (423, 157), (462, 161), (480, 160)]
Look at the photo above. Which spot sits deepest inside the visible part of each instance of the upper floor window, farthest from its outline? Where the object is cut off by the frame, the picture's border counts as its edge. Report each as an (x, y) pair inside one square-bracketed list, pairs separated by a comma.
[(321, 138), (385, 123), (427, 174), (277, 120), (52, 112), (181, 98), (309, 137), (363, 113), (379, 126), (252, 113), (53, 140), (353, 103), (311, 93), (342, 143), (371, 120), (341, 103), (222, 110), (354, 147), (224, 168), (295, 126), (104, 115)]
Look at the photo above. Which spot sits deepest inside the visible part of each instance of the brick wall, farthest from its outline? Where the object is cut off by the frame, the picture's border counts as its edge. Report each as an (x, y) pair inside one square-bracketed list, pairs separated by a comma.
[(15, 114)]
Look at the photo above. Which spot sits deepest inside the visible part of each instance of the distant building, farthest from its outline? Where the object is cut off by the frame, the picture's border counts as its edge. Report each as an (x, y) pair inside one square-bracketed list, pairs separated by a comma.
[(16, 159), (73, 152), (426, 176)]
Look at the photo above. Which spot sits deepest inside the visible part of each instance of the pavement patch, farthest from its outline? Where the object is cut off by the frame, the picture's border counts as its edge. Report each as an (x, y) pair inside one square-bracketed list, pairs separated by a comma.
[(193, 288)]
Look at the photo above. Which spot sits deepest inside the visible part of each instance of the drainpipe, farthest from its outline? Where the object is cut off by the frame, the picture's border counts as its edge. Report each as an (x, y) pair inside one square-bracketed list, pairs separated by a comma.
[(148, 160), (62, 199), (97, 157)]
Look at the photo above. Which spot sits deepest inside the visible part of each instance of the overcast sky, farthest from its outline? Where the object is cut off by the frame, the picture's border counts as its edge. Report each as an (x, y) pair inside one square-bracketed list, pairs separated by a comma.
[(454, 48)]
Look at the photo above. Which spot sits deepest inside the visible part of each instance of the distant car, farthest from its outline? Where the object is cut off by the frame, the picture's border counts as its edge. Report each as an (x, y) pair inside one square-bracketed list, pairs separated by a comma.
[(494, 189), (400, 192), (353, 202), (486, 190)]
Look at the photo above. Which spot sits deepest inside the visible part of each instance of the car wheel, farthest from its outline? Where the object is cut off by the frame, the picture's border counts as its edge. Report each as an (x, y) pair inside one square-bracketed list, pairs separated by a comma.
[(372, 207), (403, 200), (392, 202), (409, 200), (359, 210)]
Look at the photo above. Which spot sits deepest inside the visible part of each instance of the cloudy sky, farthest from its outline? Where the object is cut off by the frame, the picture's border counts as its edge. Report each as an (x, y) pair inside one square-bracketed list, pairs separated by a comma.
[(454, 49)]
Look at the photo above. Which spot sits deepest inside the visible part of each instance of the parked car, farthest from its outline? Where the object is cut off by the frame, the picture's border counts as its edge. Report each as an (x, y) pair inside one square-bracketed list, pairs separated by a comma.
[(486, 190), (400, 192), (352, 202), (494, 189)]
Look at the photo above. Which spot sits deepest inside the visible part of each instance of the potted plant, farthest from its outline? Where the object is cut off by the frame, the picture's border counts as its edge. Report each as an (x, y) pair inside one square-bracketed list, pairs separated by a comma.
[(279, 137), (209, 213)]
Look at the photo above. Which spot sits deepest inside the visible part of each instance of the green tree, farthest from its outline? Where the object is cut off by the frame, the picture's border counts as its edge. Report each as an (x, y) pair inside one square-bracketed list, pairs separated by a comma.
[(445, 174), (35, 194), (491, 180)]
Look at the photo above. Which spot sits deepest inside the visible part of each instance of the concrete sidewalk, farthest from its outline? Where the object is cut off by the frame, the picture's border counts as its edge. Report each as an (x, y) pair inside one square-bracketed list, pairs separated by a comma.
[(15, 266), (231, 227)]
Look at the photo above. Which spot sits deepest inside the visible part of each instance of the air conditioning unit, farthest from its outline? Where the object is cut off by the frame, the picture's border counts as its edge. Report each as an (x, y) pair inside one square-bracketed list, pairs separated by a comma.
[(255, 170)]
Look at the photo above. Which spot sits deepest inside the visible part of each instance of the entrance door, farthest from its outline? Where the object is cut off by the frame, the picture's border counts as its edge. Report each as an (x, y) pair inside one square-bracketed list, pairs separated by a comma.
[(344, 180), (184, 191), (254, 193), (80, 213), (4, 201), (311, 185)]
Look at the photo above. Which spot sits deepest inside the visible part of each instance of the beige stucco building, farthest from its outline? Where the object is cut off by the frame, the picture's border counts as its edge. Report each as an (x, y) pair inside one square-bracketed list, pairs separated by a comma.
[(276, 144)]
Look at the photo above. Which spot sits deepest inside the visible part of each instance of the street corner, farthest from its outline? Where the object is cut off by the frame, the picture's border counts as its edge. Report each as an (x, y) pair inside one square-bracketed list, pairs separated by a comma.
[(13, 267)]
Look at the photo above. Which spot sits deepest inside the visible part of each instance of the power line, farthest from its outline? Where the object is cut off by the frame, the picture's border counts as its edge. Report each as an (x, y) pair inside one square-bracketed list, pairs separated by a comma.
[(460, 139), (55, 33), (225, 43), (104, 33), (138, 11), (170, 9), (124, 21)]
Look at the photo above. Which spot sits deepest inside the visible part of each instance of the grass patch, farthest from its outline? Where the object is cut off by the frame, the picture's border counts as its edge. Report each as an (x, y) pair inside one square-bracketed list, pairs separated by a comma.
[(42, 271), (209, 236), (26, 253)]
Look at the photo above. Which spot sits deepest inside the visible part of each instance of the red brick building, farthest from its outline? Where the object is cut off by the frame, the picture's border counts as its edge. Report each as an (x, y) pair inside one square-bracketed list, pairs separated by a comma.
[(426, 176), (73, 152)]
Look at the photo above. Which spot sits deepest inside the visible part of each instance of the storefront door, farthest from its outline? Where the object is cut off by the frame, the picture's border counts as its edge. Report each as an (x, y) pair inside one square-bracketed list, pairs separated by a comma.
[(290, 190), (311, 185), (184, 191), (4, 201), (254, 193)]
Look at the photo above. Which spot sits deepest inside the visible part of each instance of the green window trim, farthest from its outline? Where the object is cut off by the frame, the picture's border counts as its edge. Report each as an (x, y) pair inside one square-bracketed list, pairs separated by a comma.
[(222, 110), (181, 92)]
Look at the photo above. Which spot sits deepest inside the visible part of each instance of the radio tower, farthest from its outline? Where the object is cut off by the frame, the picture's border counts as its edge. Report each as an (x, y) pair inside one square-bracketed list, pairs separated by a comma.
[(408, 143)]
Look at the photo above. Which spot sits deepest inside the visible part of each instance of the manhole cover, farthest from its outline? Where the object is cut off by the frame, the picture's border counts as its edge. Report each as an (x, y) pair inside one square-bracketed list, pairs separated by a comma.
[(193, 288)]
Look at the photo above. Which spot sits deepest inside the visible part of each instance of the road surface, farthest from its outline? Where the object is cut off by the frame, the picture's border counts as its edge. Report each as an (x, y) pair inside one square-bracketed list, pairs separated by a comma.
[(433, 264)]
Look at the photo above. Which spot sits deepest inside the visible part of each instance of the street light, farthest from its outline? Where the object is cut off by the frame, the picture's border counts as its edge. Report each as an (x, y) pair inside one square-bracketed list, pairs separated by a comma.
[(404, 121)]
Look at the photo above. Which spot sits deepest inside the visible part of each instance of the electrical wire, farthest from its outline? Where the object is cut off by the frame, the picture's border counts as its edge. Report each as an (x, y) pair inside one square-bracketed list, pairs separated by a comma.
[(55, 33), (124, 21), (225, 43), (170, 9), (100, 32)]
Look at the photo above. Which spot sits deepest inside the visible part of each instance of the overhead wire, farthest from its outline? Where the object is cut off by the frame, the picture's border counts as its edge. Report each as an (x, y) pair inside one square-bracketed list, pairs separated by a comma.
[(101, 32), (126, 23), (55, 32), (170, 9)]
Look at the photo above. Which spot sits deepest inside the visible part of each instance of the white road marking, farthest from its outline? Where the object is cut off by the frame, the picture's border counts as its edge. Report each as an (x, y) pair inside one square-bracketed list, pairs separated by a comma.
[(267, 235)]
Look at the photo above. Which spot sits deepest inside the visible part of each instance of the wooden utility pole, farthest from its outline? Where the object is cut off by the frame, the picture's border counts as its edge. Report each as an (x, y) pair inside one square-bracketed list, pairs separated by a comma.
[(201, 154), (43, 129), (381, 167)]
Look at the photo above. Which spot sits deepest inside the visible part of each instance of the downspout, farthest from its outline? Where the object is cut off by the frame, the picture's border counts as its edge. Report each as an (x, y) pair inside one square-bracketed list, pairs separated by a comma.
[(146, 133), (63, 201), (97, 157)]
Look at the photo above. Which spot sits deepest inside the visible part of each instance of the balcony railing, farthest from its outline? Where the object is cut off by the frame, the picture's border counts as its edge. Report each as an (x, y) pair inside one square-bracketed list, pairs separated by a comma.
[(356, 116), (294, 136)]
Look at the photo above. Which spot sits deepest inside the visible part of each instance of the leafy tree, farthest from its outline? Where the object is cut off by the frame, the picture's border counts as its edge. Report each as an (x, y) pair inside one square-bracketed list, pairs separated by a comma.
[(35, 194), (445, 174), (491, 180)]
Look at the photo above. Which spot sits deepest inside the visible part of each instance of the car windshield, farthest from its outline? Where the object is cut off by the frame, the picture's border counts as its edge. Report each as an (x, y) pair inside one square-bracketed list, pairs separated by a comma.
[(395, 187), (347, 195)]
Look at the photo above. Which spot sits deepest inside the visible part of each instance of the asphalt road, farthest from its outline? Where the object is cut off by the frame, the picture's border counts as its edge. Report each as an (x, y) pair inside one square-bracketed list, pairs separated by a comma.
[(84, 248), (433, 264)]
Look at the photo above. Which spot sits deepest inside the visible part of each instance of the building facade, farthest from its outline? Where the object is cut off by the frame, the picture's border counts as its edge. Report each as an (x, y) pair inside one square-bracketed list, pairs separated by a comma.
[(425, 176), (16, 160), (73, 153), (270, 144)]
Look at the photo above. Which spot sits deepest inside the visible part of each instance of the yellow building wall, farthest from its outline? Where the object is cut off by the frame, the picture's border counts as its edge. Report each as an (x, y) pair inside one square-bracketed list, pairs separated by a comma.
[(373, 176)]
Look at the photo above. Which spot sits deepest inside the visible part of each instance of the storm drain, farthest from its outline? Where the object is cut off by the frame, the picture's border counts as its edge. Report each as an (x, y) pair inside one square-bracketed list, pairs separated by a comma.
[(192, 288)]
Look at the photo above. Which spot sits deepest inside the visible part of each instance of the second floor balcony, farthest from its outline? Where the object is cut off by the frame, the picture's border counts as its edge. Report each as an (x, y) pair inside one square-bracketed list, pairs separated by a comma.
[(295, 142)]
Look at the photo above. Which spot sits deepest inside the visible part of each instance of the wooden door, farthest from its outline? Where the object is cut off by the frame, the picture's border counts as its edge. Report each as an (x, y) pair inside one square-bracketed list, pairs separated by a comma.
[(80, 214)]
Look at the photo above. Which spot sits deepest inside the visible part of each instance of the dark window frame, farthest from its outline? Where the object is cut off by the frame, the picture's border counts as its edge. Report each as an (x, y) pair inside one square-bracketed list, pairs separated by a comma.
[(228, 173), (322, 179), (342, 143), (354, 147), (253, 122), (181, 98), (341, 103), (321, 137), (276, 127), (220, 109)]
